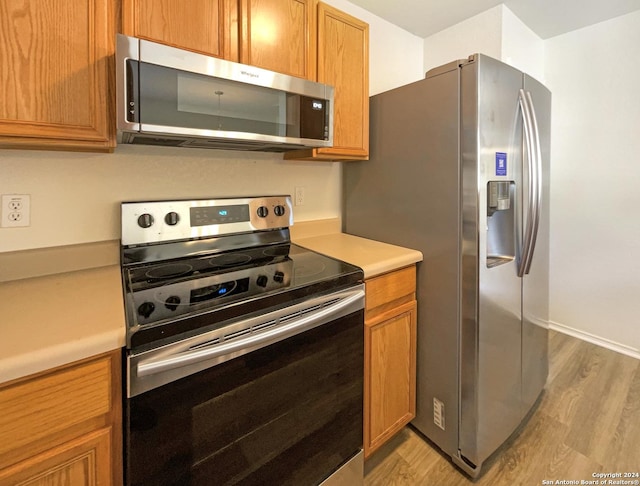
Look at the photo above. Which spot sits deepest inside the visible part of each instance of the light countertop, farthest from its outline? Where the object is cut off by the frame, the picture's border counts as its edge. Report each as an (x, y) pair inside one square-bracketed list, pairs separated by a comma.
[(373, 257), (53, 320)]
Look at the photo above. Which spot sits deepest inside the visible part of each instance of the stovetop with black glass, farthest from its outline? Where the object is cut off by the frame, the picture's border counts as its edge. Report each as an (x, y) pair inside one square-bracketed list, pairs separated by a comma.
[(190, 266)]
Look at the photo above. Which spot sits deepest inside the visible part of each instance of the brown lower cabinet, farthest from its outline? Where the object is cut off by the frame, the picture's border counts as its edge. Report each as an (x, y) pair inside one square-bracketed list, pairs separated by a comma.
[(63, 426), (390, 355)]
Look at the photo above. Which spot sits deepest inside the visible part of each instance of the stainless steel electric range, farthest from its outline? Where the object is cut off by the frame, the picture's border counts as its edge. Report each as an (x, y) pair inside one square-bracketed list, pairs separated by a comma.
[(244, 358)]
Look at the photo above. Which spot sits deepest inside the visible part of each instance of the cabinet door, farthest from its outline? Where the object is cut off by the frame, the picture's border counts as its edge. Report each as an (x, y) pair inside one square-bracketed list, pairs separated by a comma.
[(85, 461), (206, 26), (56, 68), (390, 374), (279, 35), (343, 62)]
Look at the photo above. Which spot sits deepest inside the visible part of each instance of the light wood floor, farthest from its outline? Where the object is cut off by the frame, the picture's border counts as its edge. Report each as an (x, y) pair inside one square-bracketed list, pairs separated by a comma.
[(587, 421)]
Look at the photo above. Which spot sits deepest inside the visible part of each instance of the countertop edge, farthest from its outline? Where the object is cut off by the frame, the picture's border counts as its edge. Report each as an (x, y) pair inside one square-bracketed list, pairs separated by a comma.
[(79, 314), (25, 365)]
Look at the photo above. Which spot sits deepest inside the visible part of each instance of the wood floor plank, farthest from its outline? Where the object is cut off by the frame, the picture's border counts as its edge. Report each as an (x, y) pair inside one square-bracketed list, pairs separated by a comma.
[(572, 381), (538, 453), (587, 421), (624, 448), (603, 404), (562, 349)]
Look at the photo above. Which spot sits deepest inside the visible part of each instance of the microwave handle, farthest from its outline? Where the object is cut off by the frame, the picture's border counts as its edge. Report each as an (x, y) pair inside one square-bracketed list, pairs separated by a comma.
[(127, 83)]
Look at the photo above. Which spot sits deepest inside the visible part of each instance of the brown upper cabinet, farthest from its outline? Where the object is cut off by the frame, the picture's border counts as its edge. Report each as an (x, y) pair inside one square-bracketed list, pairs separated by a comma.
[(279, 35), (56, 69), (343, 62), (206, 26), (56, 62)]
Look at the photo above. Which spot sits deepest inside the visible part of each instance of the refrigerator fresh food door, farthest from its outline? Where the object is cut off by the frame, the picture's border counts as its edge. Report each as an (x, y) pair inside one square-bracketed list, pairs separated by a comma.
[(491, 331), (535, 285)]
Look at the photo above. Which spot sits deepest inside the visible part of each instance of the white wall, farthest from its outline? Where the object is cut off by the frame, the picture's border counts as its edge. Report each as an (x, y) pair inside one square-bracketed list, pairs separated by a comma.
[(521, 47), (594, 74), (481, 33), (395, 55), (75, 196), (496, 32)]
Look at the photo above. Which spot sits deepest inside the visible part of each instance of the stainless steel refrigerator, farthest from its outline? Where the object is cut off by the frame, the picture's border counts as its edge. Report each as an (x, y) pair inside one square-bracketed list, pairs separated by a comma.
[(459, 169)]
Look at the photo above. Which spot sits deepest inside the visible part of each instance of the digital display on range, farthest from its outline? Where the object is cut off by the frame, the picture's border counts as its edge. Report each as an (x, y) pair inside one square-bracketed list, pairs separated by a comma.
[(205, 216), (219, 290)]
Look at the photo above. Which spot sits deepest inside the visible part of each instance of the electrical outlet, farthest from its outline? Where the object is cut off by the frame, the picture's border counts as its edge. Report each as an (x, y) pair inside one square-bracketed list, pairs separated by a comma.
[(16, 210), (299, 196)]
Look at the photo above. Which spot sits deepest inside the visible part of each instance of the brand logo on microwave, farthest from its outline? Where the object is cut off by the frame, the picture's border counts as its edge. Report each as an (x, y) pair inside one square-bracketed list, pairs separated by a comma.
[(317, 105), (251, 75)]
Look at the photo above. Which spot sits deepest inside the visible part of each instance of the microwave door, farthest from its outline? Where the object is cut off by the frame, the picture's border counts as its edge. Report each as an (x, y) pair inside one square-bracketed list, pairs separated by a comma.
[(174, 101)]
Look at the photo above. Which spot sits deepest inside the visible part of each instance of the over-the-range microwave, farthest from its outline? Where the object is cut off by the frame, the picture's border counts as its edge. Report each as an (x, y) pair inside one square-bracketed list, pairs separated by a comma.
[(174, 97)]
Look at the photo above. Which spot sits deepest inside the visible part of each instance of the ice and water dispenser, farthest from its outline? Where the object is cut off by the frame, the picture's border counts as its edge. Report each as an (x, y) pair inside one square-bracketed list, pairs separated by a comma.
[(501, 244)]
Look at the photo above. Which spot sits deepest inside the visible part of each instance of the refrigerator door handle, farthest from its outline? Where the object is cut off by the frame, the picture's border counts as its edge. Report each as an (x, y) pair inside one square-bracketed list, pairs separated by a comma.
[(538, 170), (533, 186)]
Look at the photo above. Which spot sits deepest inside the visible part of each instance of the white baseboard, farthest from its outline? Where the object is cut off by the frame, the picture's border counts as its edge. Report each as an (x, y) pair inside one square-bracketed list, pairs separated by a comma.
[(597, 340)]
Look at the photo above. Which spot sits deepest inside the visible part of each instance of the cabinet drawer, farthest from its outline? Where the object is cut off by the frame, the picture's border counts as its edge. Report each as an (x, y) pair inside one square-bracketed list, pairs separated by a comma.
[(390, 290), (41, 412)]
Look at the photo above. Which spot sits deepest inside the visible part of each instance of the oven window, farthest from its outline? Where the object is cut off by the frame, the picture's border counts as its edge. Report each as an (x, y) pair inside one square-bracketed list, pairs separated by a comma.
[(289, 413)]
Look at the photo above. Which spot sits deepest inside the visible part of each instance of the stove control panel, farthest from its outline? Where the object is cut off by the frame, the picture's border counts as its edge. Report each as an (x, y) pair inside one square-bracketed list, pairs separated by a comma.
[(167, 301), (158, 221)]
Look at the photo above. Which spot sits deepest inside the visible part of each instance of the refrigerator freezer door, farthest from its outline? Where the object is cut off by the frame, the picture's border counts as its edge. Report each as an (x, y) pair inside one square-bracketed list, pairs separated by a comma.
[(490, 358), (535, 288)]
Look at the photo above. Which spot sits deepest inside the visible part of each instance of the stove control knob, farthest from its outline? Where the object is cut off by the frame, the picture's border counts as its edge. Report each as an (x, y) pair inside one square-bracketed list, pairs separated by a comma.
[(263, 211), (146, 309), (262, 281), (145, 220), (279, 210), (172, 218), (278, 277), (172, 302)]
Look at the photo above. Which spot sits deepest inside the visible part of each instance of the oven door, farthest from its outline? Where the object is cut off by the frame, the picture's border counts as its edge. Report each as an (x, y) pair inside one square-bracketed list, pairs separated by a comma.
[(280, 404)]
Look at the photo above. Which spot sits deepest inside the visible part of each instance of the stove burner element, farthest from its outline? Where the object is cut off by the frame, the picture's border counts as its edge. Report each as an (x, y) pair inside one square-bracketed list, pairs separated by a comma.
[(230, 260), (276, 251), (308, 269), (171, 270)]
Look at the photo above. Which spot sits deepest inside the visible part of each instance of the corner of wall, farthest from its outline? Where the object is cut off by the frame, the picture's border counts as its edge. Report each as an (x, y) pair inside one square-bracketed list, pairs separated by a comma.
[(520, 46), (481, 33)]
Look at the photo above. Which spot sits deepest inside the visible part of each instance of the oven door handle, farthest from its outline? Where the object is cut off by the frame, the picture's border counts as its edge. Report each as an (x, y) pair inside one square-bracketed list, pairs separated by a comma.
[(351, 301)]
